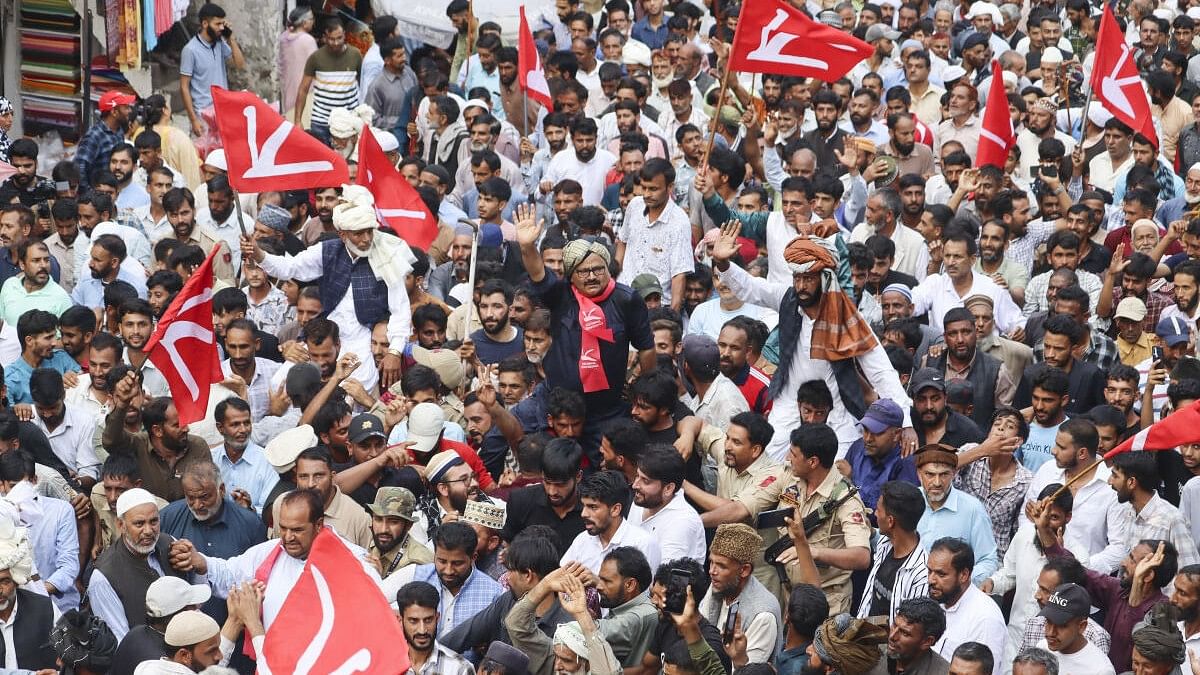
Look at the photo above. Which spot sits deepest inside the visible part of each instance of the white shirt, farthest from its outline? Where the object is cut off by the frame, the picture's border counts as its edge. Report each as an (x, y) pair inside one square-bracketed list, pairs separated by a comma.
[(1189, 505), (587, 549), (1192, 644), (590, 175), (107, 605), (356, 337), (936, 295), (1099, 523), (10, 646), (721, 402), (1087, 661), (676, 526), (154, 383), (662, 248), (222, 575), (1159, 519), (875, 365), (83, 398), (10, 346), (974, 618), (156, 230), (709, 317), (912, 254), (71, 440), (139, 253)]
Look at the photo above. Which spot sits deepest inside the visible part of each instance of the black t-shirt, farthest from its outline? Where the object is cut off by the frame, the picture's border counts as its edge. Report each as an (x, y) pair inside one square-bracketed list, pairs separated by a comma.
[(885, 580), (665, 637), (529, 506)]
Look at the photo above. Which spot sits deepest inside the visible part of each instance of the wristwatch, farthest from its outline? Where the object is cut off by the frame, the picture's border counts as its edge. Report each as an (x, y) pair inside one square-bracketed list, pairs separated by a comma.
[(395, 352)]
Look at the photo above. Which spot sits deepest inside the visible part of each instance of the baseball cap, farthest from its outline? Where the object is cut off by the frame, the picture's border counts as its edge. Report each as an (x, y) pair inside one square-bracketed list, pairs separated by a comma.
[(879, 30), (1130, 308), (700, 353), (395, 502), (926, 377), (425, 425), (169, 595), (883, 414), (1069, 601), (190, 628), (364, 426), (112, 99), (647, 285), (283, 450), (1173, 330)]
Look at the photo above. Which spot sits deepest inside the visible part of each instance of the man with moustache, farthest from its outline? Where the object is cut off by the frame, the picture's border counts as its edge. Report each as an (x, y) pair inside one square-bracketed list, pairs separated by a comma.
[(736, 595), (324, 198), (450, 484), (994, 264), (605, 497), (1186, 599), (123, 573), (122, 163), (241, 345), (180, 205), (582, 162), (33, 288), (1040, 124), (203, 64), (917, 627), (92, 153), (31, 615), (28, 187), (1187, 292), (392, 518), (456, 270), (875, 459), (418, 603), (363, 273), (962, 360), (971, 616), (219, 218), (934, 421), (828, 139), (498, 338), (243, 463), (954, 515)]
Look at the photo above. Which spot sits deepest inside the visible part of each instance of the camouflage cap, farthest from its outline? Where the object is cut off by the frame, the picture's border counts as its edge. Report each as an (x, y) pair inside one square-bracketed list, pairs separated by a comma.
[(395, 502)]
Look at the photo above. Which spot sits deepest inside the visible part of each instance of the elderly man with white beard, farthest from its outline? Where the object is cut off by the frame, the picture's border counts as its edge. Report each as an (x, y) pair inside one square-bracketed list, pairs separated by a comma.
[(126, 569), (279, 561), (363, 273), (1179, 207)]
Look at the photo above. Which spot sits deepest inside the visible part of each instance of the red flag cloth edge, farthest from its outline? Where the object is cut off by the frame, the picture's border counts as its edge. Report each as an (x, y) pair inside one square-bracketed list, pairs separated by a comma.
[(397, 204), (996, 136), (529, 66), (774, 37), (1178, 428), (197, 356), (1113, 71)]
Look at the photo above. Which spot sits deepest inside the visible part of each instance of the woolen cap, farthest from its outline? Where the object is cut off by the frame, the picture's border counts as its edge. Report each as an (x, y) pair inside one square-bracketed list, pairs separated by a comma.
[(439, 464), (190, 628)]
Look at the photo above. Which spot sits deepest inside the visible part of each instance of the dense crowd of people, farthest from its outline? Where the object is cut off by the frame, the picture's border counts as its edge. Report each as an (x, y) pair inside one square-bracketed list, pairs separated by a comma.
[(770, 381)]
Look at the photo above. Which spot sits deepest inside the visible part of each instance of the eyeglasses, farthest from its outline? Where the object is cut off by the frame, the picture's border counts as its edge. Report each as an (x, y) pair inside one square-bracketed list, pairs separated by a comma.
[(458, 480), (591, 272)]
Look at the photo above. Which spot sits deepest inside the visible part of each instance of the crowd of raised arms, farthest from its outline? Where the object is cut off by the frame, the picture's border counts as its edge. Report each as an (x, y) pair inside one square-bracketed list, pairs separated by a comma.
[(771, 381)]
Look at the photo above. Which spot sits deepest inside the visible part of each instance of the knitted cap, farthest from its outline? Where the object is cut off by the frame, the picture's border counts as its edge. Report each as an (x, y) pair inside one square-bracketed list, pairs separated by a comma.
[(737, 541)]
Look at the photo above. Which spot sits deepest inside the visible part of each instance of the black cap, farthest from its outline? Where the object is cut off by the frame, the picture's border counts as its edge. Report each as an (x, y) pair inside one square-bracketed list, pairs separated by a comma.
[(364, 426), (1069, 601), (926, 377)]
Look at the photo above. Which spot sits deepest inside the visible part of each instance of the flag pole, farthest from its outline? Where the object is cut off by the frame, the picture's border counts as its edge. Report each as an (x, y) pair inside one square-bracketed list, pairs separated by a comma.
[(470, 42), (716, 119), (470, 275), (1066, 486), (525, 111)]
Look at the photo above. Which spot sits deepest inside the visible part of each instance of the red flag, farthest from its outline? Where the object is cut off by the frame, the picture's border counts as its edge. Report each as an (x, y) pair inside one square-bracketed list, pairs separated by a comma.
[(996, 138), (397, 203), (266, 152), (774, 37), (352, 630), (1174, 430), (184, 346), (529, 66), (1116, 83)]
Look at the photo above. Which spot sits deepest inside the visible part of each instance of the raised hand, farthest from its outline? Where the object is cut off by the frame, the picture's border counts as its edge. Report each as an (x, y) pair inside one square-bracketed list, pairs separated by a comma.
[(528, 225), (346, 364), (848, 157), (726, 246), (573, 597), (250, 249)]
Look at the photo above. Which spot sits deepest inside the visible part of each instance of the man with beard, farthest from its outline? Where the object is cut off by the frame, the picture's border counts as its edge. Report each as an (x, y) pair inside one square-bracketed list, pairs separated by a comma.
[(456, 270), (163, 450), (1186, 598), (992, 263), (556, 501), (522, 113), (69, 429), (65, 213), (241, 345), (1136, 479), (485, 163), (33, 288), (92, 153), (28, 187), (325, 198), (954, 515), (108, 252), (1144, 573), (28, 648), (1136, 273), (429, 325), (882, 218), (450, 483), (90, 393), (242, 462), (1117, 158), (123, 573), (962, 360), (862, 118), (123, 163), (219, 218), (180, 206), (1099, 524), (203, 65), (1187, 292), (211, 520), (417, 603), (498, 339), (828, 139), (740, 345), (534, 159), (939, 293), (736, 595), (875, 459), (582, 162), (1040, 124), (971, 616), (391, 520), (604, 497), (918, 625), (913, 158), (683, 112), (364, 281), (314, 470), (337, 86)]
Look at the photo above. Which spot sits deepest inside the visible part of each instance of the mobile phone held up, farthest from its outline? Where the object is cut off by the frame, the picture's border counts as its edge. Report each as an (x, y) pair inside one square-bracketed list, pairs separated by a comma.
[(677, 585)]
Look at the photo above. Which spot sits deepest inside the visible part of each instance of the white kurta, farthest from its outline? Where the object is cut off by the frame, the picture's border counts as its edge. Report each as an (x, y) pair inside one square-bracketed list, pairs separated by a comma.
[(786, 415), (355, 337)]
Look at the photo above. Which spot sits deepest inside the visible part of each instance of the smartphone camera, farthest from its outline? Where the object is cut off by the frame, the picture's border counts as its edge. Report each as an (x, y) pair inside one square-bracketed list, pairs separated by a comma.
[(677, 585)]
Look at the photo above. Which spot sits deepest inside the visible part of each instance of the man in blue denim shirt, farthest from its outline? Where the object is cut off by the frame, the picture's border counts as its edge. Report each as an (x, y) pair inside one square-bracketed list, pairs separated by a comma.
[(875, 458)]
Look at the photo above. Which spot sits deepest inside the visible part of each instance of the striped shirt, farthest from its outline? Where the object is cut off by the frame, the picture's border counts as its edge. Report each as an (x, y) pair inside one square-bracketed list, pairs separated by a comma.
[(335, 81), (912, 579)]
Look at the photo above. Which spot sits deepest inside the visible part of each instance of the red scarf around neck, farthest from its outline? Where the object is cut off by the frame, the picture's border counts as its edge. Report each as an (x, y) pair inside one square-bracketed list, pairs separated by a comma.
[(594, 327)]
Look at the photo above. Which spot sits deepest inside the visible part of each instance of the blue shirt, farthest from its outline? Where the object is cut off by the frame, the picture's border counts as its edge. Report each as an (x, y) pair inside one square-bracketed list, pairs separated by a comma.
[(651, 37), (962, 517), (56, 550), (252, 473), (89, 291), (470, 202), (9, 270), (1039, 447), (870, 475), (134, 196), (16, 375), (93, 150), (205, 64)]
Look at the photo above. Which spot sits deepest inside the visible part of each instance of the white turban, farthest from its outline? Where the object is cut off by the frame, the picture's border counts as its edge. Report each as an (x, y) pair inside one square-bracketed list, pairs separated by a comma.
[(347, 123), (571, 636), (16, 554), (390, 257)]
